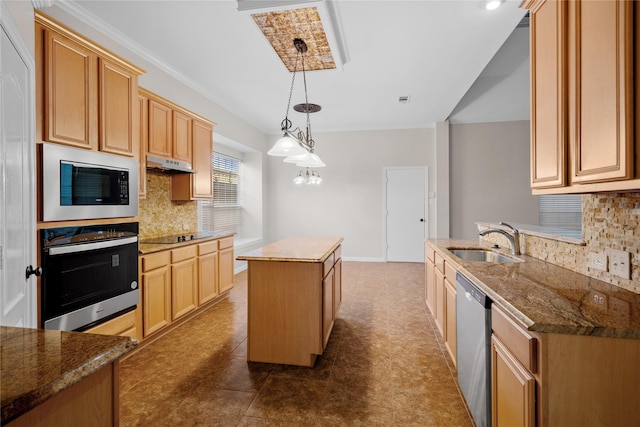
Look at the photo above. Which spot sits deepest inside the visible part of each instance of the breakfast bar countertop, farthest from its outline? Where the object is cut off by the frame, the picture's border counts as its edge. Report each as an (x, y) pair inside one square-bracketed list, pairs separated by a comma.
[(547, 298), (39, 363), (297, 249)]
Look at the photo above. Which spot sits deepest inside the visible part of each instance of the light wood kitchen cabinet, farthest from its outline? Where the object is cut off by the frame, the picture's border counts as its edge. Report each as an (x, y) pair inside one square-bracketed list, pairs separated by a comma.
[(143, 141), (181, 140), (86, 96), (513, 386), (226, 264), (327, 306), (125, 325), (439, 294), (184, 281), (160, 128), (156, 292), (582, 94), (337, 285), (207, 271), (198, 186), (450, 340), (430, 278)]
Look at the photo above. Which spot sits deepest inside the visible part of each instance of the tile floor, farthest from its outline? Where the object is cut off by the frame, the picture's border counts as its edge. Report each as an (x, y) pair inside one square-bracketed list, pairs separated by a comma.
[(384, 365)]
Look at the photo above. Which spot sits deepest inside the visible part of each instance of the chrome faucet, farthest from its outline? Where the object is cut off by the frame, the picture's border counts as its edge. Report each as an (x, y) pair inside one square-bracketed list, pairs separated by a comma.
[(513, 238)]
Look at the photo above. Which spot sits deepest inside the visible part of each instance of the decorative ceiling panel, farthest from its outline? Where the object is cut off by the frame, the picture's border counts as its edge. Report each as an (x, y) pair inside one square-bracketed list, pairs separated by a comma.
[(280, 28)]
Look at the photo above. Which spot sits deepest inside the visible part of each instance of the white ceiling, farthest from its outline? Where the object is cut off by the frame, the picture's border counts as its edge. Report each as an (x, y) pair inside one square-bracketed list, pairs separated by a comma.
[(431, 50)]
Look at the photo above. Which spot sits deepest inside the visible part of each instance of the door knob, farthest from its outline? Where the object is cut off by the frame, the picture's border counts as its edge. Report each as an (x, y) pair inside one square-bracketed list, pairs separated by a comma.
[(421, 219), (30, 270)]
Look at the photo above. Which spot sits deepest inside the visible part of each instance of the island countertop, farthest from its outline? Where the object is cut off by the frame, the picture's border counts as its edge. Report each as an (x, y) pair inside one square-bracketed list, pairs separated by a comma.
[(296, 249), (38, 363)]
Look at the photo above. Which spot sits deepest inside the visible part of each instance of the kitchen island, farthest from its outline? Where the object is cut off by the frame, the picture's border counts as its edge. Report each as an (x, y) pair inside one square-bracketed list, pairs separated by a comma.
[(55, 378), (294, 294)]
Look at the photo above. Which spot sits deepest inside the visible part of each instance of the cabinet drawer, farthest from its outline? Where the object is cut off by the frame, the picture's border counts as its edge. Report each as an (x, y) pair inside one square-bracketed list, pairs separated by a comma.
[(153, 261), (328, 264), (450, 271), (337, 254), (181, 254), (207, 248), (429, 253), (519, 342), (439, 262), (121, 325), (225, 243)]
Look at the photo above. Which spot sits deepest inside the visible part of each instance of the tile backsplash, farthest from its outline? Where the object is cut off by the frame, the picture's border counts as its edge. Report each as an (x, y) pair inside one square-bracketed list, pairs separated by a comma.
[(609, 221), (159, 215)]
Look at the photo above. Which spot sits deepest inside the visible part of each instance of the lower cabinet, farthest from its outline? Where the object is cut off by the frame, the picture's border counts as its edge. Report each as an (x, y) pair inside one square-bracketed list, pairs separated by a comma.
[(184, 281), (327, 306), (440, 296), (177, 282), (125, 325), (513, 389)]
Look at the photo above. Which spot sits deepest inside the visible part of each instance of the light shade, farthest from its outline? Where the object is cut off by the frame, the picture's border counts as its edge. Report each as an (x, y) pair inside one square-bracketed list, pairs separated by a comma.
[(287, 145), (309, 160)]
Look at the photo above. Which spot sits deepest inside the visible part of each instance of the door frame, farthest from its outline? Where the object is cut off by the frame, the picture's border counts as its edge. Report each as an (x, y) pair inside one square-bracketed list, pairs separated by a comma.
[(384, 203)]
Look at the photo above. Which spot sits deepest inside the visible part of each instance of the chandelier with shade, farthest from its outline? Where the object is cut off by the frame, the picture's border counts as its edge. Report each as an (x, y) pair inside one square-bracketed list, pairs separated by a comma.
[(296, 145)]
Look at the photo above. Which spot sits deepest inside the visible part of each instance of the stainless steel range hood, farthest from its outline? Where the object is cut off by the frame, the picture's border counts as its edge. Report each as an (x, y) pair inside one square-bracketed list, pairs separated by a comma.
[(168, 166)]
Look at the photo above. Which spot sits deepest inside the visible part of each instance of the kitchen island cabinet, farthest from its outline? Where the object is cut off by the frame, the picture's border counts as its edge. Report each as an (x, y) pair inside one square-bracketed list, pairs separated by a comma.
[(294, 291), (59, 378)]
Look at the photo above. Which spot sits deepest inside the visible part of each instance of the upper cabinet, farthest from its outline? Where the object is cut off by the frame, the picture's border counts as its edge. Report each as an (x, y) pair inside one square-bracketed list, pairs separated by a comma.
[(582, 96), (178, 134), (86, 96)]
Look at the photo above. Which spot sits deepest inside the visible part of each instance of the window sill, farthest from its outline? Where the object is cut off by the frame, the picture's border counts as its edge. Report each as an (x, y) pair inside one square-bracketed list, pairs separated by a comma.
[(244, 242)]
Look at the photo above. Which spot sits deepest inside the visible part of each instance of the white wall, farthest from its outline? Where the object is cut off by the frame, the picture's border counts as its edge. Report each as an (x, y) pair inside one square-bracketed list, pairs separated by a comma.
[(490, 176), (349, 203)]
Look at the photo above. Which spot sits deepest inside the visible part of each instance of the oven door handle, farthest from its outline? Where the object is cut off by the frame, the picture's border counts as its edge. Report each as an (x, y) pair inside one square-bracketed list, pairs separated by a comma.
[(84, 247)]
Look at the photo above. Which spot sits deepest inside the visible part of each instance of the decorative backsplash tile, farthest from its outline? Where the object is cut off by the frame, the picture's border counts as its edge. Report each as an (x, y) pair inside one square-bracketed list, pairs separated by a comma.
[(609, 221), (159, 215)]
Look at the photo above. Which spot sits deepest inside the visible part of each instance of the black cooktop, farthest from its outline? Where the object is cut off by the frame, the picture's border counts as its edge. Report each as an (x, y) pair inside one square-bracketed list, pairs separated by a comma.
[(179, 238)]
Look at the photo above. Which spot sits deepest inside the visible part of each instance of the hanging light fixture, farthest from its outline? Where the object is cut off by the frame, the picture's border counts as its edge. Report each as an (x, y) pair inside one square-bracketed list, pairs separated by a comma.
[(296, 145), (308, 177)]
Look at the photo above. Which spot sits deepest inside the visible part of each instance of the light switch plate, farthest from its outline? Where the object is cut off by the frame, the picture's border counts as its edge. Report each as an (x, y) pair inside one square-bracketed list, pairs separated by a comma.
[(597, 261), (620, 263)]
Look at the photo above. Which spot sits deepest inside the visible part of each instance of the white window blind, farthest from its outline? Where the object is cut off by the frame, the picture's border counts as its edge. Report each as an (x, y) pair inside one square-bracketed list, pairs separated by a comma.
[(561, 211), (224, 212)]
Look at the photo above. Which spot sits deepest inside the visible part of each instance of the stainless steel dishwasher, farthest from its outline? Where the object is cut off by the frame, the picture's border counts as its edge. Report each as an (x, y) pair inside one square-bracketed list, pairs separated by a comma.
[(473, 332)]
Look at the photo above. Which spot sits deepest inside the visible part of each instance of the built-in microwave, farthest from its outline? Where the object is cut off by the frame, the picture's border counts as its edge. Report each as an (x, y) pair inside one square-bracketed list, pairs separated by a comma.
[(84, 184)]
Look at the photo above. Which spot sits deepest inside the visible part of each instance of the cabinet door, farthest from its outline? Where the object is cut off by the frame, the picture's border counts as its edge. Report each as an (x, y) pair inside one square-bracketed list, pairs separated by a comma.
[(181, 141), (184, 285), (202, 150), (207, 277), (327, 306), (226, 267), (450, 319), (337, 287), (118, 90), (71, 93), (156, 300), (548, 89), (143, 140), (160, 128), (601, 90), (512, 389), (439, 301), (430, 286)]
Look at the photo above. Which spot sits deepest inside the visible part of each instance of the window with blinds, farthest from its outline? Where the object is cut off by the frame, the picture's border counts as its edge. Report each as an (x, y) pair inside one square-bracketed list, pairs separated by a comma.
[(224, 212), (561, 211)]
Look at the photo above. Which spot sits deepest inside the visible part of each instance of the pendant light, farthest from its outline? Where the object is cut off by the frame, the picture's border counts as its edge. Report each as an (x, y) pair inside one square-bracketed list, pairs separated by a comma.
[(296, 145)]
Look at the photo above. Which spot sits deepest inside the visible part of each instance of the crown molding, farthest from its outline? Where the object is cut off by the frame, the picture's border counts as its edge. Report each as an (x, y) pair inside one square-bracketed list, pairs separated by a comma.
[(41, 4)]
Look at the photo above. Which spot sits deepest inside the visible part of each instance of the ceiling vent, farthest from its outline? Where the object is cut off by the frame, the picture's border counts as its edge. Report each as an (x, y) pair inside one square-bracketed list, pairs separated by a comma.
[(404, 99)]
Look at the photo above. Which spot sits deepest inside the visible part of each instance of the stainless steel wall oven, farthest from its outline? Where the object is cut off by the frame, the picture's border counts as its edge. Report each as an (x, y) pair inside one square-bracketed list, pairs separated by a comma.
[(89, 274)]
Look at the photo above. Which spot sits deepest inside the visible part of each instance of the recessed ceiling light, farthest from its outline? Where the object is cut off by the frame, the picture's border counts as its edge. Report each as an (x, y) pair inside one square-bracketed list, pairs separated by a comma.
[(493, 4)]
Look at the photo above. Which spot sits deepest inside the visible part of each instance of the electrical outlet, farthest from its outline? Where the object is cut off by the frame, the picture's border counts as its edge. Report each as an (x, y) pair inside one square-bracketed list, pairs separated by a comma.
[(620, 263), (597, 261)]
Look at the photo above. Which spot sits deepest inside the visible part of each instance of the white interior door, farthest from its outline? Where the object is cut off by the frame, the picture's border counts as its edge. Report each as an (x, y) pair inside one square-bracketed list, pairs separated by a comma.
[(17, 176), (406, 190)]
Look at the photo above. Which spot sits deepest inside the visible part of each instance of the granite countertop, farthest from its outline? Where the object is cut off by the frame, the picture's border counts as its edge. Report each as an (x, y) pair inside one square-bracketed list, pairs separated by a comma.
[(297, 249), (39, 363), (147, 248), (550, 299)]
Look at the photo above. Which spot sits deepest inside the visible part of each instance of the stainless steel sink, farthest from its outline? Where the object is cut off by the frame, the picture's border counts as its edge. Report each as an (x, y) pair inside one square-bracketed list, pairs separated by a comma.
[(482, 255)]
